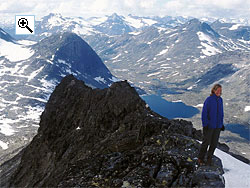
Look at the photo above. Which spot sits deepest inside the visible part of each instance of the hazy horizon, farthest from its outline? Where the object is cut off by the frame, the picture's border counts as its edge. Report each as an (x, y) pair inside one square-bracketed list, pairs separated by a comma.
[(229, 9)]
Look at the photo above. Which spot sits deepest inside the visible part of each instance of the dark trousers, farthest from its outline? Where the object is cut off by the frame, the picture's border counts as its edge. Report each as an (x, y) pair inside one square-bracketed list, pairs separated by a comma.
[(210, 138)]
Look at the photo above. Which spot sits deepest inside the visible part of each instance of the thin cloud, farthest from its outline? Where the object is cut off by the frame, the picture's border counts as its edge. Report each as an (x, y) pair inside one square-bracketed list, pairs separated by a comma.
[(88, 8), (209, 8)]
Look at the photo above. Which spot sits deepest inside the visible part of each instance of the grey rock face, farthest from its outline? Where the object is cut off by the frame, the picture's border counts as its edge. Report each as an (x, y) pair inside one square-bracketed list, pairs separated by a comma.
[(73, 54), (235, 31), (92, 137)]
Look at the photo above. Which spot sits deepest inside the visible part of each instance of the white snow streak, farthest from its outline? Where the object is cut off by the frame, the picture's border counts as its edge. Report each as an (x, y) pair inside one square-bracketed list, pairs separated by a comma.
[(153, 74), (208, 43), (114, 79), (247, 108), (162, 52), (33, 74), (234, 27), (5, 127), (3, 145), (134, 22), (100, 79), (14, 52)]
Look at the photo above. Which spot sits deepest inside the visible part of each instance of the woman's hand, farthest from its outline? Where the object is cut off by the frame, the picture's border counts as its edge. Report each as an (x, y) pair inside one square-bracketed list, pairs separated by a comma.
[(222, 128)]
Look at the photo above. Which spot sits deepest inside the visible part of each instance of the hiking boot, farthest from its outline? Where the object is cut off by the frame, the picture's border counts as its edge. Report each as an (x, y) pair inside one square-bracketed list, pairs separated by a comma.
[(201, 162)]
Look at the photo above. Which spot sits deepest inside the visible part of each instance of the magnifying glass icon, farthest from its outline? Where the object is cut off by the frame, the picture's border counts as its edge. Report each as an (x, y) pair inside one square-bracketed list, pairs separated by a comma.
[(23, 23)]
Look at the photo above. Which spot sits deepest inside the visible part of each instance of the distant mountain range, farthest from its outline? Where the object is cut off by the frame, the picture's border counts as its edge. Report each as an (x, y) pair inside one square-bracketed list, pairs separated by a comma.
[(112, 25), (108, 25), (178, 58), (183, 62)]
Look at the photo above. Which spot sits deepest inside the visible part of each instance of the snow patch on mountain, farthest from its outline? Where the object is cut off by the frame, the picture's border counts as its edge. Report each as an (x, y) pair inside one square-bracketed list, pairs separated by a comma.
[(56, 20), (234, 27), (34, 113), (163, 51), (64, 62), (100, 79), (247, 108), (208, 43), (26, 42), (114, 79), (49, 85), (154, 74), (134, 33), (5, 127), (46, 34), (149, 22), (81, 30), (116, 56), (244, 41), (20, 96), (121, 70), (35, 73), (3, 145), (209, 50), (136, 23), (14, 52), (97, 20)]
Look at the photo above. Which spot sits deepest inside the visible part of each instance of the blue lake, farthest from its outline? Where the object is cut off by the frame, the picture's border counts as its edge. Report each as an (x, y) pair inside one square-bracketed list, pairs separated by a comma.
[(242, 130), (172, 110), (168, 109)]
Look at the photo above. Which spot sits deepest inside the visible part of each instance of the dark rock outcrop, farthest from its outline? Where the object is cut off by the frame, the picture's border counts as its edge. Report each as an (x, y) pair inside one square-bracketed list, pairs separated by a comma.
[(109, 138)]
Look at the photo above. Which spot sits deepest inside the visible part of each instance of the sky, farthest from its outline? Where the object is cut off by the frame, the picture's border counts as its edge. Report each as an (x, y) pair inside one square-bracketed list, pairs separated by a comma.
[(89, 8)]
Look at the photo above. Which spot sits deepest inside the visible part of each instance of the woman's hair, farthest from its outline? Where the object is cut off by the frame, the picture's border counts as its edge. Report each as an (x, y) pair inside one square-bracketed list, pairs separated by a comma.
[(215, 87)]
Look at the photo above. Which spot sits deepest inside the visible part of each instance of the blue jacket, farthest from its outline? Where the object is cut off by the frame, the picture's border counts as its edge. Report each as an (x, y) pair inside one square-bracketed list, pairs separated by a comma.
[(212, 112)]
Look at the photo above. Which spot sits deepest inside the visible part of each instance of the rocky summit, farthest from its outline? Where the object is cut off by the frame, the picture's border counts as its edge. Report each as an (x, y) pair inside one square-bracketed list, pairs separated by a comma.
[(108, 138)]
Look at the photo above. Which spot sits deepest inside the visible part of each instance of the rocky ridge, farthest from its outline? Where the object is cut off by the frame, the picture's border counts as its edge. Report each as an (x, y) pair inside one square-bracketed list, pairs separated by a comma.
[(108, 138)]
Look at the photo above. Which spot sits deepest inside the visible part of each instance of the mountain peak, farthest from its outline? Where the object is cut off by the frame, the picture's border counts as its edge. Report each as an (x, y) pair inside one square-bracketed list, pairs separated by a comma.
[(51, 44), (196, 25), (194, 21), (53, 19), (115, 15), (70, 50), (114, 25), (51, 15), (115, 18), (69, 36)]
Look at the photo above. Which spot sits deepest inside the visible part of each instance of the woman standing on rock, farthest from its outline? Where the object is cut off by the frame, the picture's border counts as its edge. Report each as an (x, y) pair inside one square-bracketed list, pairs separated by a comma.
[(212, 122)]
